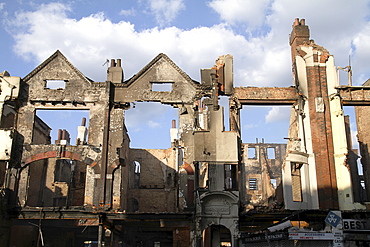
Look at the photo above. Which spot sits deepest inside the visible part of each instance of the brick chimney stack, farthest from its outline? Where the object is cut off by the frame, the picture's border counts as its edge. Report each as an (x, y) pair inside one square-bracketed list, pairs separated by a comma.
[(115, 71), (300, 35)]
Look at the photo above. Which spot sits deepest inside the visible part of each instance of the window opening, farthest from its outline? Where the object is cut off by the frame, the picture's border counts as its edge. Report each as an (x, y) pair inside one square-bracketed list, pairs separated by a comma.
[(230, 177), (8, 117), (65, 127), (252, 153), (271, 153), (162, 86), (55, 84), (202, 118), (270, 123), (253, 184), (136, 174), (3, 167), (273, 182), (354, 158), (224, 102), (149, 125)]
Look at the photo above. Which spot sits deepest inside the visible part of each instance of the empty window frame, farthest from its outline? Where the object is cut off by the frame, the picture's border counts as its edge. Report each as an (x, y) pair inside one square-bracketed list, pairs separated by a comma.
[(55, 84), (296, 182), (271, 153), (49, 122), (136, 177), (252, 153), (231, 177), (162, 86), (148, 125), (253, 184)]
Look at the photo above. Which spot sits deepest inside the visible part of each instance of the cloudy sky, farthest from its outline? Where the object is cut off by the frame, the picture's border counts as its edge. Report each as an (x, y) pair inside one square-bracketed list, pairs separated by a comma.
[(193, 34)]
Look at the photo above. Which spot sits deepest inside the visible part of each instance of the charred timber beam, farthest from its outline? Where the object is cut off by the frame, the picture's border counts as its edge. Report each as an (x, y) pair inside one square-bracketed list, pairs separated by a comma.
[(266, 95), (55, 213)]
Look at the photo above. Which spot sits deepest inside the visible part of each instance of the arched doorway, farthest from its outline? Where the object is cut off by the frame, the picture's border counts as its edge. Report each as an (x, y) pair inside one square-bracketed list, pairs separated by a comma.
[(216, 236)]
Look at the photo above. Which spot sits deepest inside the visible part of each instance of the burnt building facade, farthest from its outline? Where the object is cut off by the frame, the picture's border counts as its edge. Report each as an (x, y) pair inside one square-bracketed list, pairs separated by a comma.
[(208, 188)]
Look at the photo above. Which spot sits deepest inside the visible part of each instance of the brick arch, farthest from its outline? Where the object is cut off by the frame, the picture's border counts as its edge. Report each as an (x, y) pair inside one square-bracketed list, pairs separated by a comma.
[(189, 168), (63, 154)]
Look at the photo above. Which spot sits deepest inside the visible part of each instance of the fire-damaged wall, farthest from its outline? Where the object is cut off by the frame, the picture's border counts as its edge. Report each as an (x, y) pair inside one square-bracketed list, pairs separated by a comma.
[(262, 163), (208, 188), (152, 181)]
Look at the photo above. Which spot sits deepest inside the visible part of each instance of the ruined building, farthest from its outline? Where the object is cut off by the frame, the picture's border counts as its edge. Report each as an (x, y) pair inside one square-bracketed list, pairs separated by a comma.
[(208, 188)]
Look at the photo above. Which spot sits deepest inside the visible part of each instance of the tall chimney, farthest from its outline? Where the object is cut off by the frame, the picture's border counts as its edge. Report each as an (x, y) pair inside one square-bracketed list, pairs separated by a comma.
[(300, 35), (115, 72)]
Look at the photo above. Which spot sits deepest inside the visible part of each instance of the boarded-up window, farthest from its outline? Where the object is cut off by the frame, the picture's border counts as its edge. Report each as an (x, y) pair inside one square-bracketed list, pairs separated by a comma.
[(296, 182), (253, 184)]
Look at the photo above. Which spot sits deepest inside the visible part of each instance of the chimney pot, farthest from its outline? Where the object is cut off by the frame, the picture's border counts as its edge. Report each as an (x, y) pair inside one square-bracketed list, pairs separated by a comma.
[(296, 22), (64, 135), (59, 134), (118, 62), (83, 123), (112, 63)]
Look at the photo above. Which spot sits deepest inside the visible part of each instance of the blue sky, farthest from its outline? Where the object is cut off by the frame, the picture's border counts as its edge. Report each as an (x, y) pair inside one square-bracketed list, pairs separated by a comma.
[(193, 34)]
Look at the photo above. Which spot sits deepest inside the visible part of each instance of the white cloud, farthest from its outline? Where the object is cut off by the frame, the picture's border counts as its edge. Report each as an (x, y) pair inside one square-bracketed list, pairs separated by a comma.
[(2, 5), (241, 11), (165, 11), (128, 12), (269, 23), (152, 124), (278, 114), (258, 60), (362, 55), (249, 126)]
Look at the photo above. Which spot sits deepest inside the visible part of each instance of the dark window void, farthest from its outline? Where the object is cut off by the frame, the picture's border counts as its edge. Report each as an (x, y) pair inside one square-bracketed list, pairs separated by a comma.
[(162, 86), (2, 172), (296, 181), (231, 177), (8, 117), (64, 127), (253, 184), (133, 205), (55, 84)]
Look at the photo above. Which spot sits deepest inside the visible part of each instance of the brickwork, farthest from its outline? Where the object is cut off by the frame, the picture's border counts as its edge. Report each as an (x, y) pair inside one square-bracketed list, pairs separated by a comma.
[(322, 141)]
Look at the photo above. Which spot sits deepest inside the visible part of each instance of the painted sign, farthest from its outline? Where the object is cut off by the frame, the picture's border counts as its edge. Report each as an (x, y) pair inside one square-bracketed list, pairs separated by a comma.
[(356, 225), (265, 237), (333, 219), (311, 236)]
